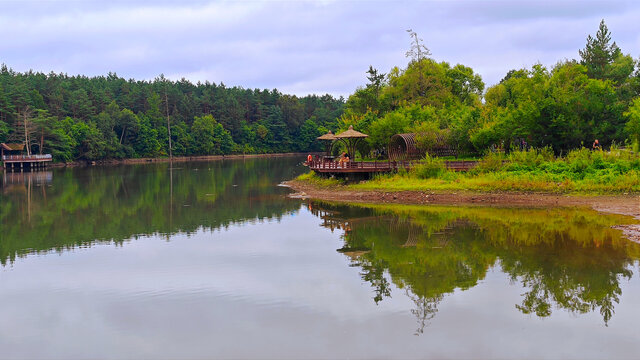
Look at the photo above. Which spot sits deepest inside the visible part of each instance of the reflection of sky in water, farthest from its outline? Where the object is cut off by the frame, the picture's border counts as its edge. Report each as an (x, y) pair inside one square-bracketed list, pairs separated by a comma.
[(272, 289)]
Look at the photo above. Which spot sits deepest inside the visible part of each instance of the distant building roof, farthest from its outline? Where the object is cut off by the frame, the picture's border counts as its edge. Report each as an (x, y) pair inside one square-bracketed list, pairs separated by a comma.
[(12, 147)]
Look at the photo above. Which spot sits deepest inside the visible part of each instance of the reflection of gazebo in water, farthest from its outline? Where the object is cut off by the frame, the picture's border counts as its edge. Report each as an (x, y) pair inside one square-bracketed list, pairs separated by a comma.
[(328, 138), (351, 138)]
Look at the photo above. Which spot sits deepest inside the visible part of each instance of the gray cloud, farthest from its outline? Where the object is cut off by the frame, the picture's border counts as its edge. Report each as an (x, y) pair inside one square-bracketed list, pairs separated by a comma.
[(298, 47)]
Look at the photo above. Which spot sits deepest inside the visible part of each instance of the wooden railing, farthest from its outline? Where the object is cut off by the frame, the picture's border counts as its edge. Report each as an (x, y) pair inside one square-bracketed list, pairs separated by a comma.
[(44, 157), (380, 166)]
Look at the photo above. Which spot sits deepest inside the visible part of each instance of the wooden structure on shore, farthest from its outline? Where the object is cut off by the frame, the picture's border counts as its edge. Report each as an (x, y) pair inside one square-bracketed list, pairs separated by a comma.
[(25, 162), (402, 149), (405, 146), (372, 167), (14, 160)]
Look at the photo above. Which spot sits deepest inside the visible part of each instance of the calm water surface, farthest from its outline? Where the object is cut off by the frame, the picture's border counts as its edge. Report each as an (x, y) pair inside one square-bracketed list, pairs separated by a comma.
[(212, 260)]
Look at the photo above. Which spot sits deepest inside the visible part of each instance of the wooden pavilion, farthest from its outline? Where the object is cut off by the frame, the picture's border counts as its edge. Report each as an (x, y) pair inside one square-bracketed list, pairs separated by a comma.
[(14, 159), (403, 152), (328, 138), (351, 138)]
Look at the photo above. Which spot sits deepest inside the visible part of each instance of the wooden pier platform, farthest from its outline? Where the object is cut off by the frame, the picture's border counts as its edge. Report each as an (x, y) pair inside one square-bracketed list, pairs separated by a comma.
[(25, 162), (372, 167)]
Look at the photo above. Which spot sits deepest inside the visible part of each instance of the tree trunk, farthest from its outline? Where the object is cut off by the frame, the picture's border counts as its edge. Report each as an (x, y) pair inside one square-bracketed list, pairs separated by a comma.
[(166, 100), (27, 144)]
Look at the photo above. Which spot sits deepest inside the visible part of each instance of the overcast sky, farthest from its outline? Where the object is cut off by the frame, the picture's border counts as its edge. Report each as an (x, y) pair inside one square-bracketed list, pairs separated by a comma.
[(299, 47)]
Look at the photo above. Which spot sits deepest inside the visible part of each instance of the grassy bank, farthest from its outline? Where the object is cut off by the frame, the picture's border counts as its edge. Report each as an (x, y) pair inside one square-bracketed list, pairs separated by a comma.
[(537, 170)]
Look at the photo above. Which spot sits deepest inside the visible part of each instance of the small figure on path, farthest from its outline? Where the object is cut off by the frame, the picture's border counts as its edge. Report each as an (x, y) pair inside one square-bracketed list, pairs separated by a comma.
[(596, 145)]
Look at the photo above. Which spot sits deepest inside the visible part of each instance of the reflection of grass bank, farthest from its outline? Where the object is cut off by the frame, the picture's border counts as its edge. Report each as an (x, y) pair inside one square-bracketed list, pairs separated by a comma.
[(564, 258), (523, 226), (580, 172)]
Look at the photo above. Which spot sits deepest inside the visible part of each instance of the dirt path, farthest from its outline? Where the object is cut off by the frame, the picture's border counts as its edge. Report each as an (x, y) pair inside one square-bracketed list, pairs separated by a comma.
[(619, 204)]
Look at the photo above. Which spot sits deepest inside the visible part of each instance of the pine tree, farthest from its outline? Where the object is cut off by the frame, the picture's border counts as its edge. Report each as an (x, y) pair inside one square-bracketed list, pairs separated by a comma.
[(599, 52)]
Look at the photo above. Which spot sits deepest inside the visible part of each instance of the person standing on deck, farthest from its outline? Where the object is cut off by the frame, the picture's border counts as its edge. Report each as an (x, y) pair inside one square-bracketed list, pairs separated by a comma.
[(341, 159)]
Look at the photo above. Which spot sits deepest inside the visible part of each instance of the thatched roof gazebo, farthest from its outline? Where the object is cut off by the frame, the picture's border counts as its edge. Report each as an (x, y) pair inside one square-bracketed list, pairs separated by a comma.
[(329, 138), (351, 138)]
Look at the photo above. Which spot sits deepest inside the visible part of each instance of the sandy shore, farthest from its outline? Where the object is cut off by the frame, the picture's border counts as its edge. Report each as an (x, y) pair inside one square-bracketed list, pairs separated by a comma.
[(618, 204)]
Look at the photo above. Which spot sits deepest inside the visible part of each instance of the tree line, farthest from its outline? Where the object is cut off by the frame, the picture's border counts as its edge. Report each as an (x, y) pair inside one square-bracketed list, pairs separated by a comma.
[(563, 107), (92, 118)]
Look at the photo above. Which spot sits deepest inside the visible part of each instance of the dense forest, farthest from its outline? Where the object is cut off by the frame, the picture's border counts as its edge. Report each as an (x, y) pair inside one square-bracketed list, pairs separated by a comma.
[(564, 107), (77, 117)]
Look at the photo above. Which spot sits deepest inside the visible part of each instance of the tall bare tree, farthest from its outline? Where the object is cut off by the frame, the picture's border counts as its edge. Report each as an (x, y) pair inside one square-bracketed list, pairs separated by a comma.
[(24, 129), (418, 50)]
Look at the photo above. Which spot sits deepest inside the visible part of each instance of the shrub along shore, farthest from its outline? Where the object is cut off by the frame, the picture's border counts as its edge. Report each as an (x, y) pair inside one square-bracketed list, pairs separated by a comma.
[(580, 172)]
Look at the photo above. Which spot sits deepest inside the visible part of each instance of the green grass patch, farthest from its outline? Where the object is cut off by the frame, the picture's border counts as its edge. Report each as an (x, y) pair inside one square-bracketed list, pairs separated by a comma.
[(536, 170), (312, 178)]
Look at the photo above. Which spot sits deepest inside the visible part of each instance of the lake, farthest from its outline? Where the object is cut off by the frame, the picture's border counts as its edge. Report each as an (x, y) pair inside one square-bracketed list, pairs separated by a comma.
[(213, 260)]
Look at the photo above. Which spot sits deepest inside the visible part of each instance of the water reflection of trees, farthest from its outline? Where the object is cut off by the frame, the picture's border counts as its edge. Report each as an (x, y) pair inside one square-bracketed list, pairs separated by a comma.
[(77, 207), (568, 259)]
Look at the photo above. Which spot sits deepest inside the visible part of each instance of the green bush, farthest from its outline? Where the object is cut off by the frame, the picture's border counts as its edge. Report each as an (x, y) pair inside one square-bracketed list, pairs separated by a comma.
[(429, 167), (531, 158), (492, 162)]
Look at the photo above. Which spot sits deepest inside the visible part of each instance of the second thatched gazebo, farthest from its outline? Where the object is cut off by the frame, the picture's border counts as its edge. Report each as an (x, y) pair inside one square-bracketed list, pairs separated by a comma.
[(328, 138), (351, 138)]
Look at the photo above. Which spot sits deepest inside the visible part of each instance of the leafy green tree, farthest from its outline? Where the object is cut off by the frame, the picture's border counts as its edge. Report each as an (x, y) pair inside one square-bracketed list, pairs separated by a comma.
[(89, 140), (278, 136), (306, 139), (292, 110), (181, 138), (4, 131), (80, 105), (60, 143), (424, 82), (43, 124), (146, 143), (210, 137), (7, 108), (465, 84), (633, 124)]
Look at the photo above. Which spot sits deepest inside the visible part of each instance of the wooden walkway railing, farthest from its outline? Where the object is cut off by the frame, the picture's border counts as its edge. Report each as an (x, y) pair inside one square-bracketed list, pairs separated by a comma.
[(26, 158), (380, 166), (25, 162)]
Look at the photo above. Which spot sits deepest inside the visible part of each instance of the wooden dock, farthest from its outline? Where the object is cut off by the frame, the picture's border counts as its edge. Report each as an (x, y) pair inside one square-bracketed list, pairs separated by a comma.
[(372, 167), (25, 162)]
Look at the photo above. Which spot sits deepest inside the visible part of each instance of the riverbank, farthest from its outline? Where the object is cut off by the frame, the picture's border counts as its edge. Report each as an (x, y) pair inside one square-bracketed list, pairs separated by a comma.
[(614, 204), (174, 159)]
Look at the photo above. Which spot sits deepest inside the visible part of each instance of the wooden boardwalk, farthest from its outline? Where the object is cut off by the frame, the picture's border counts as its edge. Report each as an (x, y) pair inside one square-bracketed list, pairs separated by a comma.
[(372, 167), (25, 162)]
